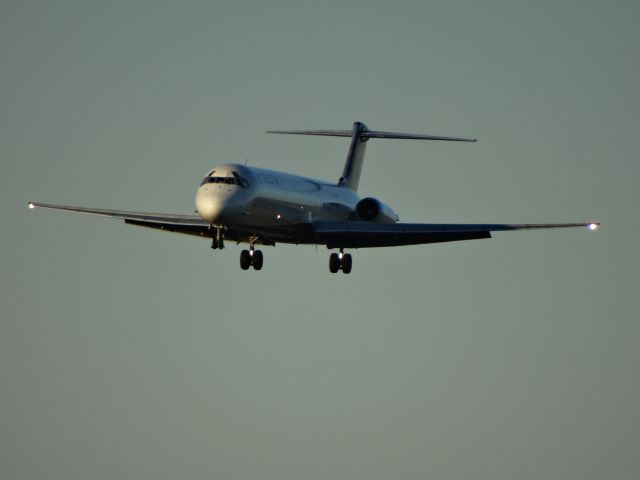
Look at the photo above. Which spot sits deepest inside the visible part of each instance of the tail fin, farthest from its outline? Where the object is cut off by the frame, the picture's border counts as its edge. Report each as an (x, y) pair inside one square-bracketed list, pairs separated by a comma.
[(359, 135), (353, 165)]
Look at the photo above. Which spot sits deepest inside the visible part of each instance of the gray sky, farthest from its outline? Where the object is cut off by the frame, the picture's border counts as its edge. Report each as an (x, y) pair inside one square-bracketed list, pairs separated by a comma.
[(127, 353)]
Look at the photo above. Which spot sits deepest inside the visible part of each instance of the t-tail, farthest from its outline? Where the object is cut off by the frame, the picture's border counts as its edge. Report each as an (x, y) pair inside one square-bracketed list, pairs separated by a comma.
[(360, 134)]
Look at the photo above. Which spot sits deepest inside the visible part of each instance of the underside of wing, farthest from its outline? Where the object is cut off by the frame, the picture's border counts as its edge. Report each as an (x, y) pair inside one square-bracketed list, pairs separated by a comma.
[(362, 235), (230, 233)]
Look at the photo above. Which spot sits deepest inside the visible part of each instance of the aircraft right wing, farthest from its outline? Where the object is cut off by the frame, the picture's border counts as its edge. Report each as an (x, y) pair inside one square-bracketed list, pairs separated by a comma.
[(167, 222), (192, 220), (365, 234)]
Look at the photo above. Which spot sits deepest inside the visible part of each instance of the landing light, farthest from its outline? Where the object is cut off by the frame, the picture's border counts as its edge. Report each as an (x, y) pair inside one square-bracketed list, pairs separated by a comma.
[(31, 205), (593, 226)]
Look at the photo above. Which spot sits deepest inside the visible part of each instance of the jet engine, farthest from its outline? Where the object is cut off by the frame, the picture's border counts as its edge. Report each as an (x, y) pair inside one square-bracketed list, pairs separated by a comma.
[(372, 210)]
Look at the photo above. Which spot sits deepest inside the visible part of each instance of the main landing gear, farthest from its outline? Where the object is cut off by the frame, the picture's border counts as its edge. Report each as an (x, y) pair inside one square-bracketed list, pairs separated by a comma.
[(339, 261), (250, 258)]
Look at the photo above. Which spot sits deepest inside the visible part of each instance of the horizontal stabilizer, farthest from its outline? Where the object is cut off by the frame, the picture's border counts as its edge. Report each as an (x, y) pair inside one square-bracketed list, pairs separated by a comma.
[(324, 133), (359, 135), (412, 136), (372, 134)]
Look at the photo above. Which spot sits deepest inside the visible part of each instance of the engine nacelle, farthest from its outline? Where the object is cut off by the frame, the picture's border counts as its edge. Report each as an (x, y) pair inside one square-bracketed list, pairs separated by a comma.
[(372, 210)]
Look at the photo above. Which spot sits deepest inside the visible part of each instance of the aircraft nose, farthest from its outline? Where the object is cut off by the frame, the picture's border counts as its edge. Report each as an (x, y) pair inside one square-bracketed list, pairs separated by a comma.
[(214, 207), (209, 209)]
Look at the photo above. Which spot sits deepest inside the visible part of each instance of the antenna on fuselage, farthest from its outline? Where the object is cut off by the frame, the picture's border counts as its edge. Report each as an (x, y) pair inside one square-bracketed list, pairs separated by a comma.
[(359, 135)]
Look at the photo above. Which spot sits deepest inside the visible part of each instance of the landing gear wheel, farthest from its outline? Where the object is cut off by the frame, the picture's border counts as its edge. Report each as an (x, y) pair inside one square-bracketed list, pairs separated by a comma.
[(245, 259), (346, 263), (334, 263), (257, 259), (249, 258)]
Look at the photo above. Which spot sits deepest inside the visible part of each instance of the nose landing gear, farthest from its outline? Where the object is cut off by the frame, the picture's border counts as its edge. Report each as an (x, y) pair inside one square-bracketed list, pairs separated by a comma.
[(217, 240), (339, 261)]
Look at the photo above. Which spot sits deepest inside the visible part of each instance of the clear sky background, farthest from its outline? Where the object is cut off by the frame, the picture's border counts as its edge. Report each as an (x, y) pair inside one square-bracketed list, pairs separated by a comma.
[(130, 354)]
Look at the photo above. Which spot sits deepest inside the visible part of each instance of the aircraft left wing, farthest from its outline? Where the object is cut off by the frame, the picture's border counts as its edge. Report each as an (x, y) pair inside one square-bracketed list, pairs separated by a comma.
[(364, 234)]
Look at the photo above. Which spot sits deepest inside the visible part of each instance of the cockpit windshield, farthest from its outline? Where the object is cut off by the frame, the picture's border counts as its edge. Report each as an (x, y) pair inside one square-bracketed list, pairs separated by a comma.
[(227, 180), (234, 179)]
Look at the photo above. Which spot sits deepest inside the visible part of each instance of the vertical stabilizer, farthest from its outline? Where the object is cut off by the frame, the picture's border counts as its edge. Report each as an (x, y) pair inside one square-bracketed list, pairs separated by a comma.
[(353, 165)]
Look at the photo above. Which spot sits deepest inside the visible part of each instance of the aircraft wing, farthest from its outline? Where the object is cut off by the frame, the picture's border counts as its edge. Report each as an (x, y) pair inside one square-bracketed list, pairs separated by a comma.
[(167, 222), (363, 234), (334, 235), (145, 218)]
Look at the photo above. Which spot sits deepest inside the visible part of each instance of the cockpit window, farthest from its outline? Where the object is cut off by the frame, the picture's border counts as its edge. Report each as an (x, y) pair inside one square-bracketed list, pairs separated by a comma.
[(233, 180), (239, 180)]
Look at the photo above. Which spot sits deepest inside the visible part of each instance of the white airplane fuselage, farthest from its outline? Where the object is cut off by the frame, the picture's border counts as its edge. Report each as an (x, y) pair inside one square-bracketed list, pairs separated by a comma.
[(239, 195)]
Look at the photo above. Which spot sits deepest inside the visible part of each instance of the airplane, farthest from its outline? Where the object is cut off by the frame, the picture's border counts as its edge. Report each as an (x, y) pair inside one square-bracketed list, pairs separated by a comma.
[(251, 205)]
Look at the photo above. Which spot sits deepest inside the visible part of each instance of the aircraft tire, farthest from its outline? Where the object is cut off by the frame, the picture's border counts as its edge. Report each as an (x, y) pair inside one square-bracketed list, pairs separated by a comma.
[(257, 260), (245, 259), (334, 263), (346, 263)]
